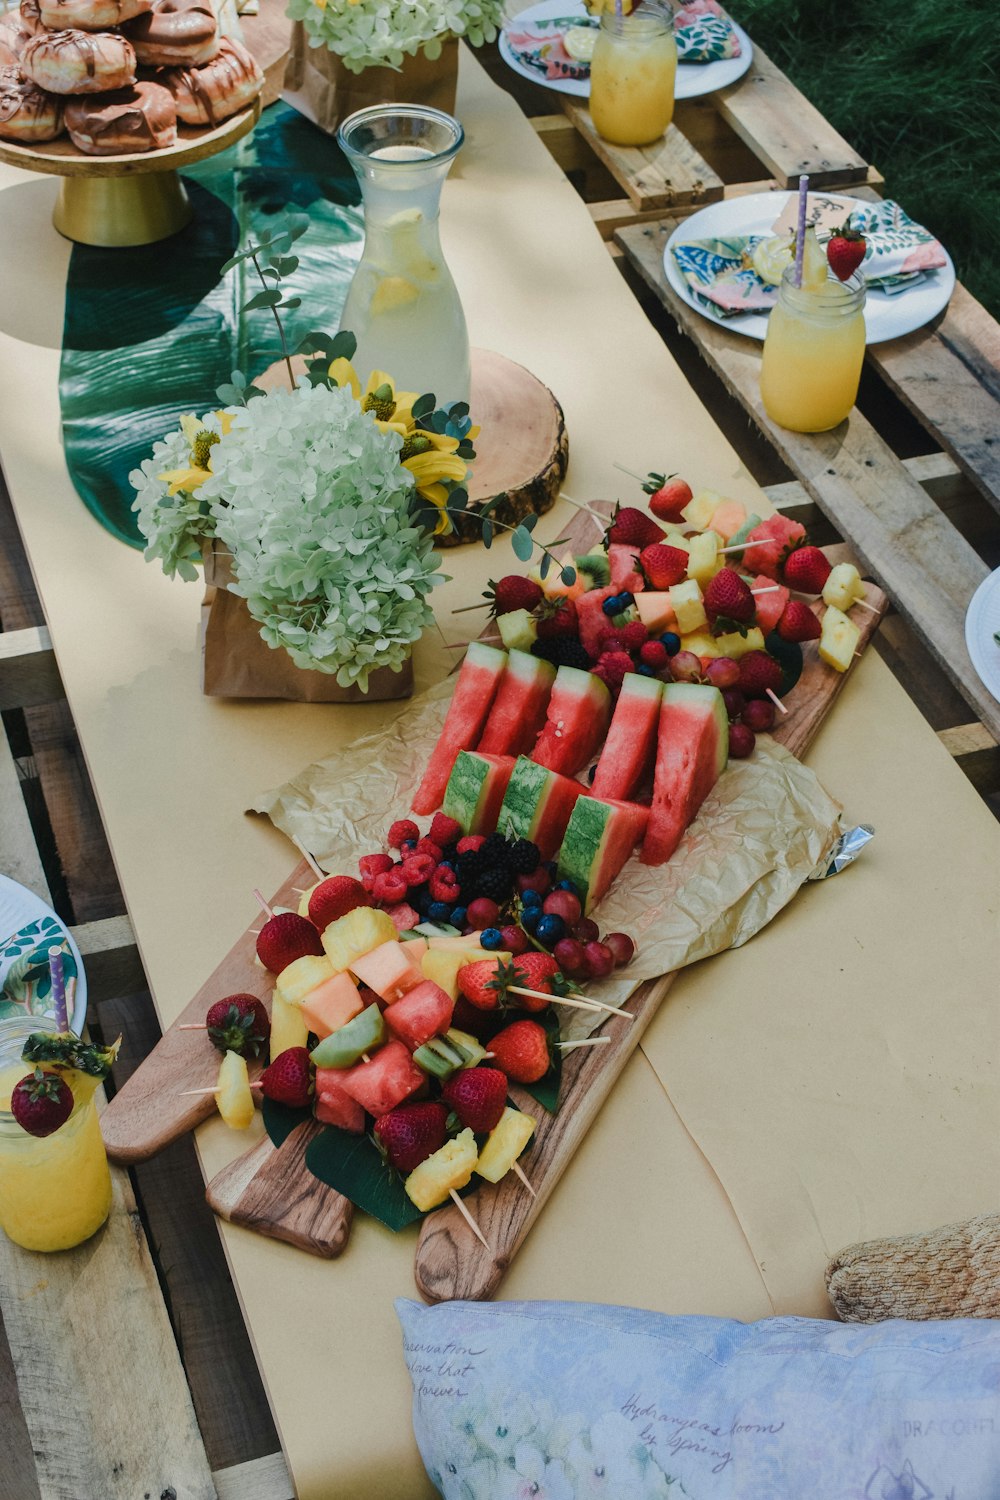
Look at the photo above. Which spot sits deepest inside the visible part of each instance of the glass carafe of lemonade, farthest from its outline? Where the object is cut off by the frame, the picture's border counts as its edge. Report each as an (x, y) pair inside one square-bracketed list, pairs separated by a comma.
[(403, 306), (814, 350), (632, 76), (55, 1190)]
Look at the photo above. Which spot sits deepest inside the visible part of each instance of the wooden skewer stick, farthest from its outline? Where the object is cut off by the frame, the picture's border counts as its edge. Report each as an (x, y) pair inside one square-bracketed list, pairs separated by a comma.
[(193, 1026), (589, 1041), (188, 1093), (865, 605), (456, 645), (320, 874), (580, 1002), (630, 472), (772, 588), (516, 1167), (467, 607), (776, 701), (263, 904), (468, 1218), (741, 546), (581, 506), (365, 1057)]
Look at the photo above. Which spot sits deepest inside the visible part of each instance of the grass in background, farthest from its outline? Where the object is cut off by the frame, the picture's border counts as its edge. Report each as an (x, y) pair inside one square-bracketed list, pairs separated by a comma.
[(913, 85)]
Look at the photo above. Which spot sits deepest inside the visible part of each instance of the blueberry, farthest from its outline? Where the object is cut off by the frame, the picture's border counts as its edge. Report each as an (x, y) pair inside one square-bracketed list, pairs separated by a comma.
[(645, 671), (447, 864), (407, 846), (530, 898), (551, 866), (613, 605), (422, 900), (624, 601), (490, 937), (439, 911), (671, 642), (550, 930), (459, 916), (530, 918), (566, 885)]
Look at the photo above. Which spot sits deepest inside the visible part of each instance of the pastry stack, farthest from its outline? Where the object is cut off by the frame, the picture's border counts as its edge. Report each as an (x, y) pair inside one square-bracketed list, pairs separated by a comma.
[(117, 75)]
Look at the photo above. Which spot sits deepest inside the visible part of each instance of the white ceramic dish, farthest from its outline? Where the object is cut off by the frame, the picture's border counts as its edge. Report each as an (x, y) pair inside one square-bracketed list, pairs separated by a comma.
[(982, 622)]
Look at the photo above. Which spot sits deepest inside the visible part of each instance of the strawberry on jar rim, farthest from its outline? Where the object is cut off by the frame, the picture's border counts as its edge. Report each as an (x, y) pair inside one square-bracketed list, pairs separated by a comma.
[(845, 250)]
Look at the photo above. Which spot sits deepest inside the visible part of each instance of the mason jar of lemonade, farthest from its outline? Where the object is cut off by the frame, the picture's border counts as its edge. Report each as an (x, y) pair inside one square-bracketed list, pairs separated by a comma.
[(632, 76), (55, 1190), (813, 352)]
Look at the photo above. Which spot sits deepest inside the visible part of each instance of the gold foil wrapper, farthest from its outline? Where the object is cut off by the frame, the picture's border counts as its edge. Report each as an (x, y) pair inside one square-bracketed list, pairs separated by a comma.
[(767, 826)]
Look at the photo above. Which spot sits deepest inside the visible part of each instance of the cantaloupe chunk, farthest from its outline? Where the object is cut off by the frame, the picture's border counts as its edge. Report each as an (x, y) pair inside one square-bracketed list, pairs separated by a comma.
[(728, 517), (388, 970), (701, 508), (332, 1005), (656, 612), (355, 934), (295, 981)]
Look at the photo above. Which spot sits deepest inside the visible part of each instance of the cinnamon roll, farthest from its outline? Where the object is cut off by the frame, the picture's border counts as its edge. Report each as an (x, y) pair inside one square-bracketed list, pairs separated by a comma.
[(175, 33), (210, 94), (142, 118), (27, 114), (78, 62)]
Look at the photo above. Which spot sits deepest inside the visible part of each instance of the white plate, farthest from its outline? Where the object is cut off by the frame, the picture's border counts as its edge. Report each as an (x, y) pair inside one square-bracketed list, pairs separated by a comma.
[(693, 79), (886, 317), (21, 909), (982, 620)]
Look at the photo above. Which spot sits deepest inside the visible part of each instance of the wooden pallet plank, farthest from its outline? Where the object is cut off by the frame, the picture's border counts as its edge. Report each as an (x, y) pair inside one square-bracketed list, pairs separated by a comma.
[(616, 213), (785, 131), (111, 958), (19, 856), (925, 565), (668, 172), (260, 1479), (18, 1475), (28, 671)]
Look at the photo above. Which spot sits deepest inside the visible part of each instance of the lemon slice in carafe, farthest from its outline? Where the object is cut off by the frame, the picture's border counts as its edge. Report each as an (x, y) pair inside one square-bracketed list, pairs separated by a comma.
[(579, 42), (772, 256)]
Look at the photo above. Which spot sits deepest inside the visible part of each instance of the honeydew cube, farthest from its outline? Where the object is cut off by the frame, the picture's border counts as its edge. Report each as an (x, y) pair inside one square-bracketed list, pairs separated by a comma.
[(344, 1047), (703, 559), (388, 970), (518, 630), (504, 1144), (289, 1027), (355, 934), (839, 639), (331, 1005), (685, 601), (702, 644), (295, 981), (656, 612), (843, 587), (700, 509), (232, 1094), (735, 645), (450, 1167)]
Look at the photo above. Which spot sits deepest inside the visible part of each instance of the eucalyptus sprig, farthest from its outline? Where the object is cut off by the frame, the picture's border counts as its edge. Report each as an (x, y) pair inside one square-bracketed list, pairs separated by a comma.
[(522, 542), (272, 260)]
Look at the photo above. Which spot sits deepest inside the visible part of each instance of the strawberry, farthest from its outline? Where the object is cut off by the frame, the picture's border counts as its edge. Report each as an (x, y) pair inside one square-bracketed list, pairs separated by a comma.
[(390, 888), (668, 496), (513, 592), (478, 1096), (538, 969), (664, 566), (334, 898), (238, 1023), (410, 1133), (806, 570), (371, 865), (845, 250), (479, 983), (758, 672), (284, 938), (728, 597), (289, 1079), (444, 830), (522, 1051), (798, 623), (633, 526), (557, 623), (41, 1102), (403, 831)]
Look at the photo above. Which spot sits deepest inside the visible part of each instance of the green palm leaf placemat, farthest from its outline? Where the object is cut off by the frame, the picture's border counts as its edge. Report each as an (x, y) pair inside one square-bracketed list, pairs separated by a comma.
[(151, 332)]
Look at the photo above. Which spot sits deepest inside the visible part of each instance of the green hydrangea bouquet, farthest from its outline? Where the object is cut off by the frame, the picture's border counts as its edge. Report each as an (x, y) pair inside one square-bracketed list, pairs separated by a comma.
[(380, 33)]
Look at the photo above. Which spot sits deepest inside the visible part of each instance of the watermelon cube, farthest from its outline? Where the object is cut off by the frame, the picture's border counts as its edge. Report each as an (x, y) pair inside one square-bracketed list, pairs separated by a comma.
[(332, 1004), (334, 1106), (630, 748), (390, 970), (591, 621), (625, 575), (599, 840), (518, 711), (537, 805), (770, 606), (691, 754), (476, 789), (423, 1012), (475, 689), (773, 538), (578, 715), (656, 612), (379, 1085)]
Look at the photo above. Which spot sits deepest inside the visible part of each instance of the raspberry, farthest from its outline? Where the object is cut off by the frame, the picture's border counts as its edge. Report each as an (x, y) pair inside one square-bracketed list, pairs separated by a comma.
[(634, 635), (654, 654), (444, 884), (390, 887), (372, 865), (471, 843), (417, 868), (443, 830), (612, 667), (428, 846), (402, 831)]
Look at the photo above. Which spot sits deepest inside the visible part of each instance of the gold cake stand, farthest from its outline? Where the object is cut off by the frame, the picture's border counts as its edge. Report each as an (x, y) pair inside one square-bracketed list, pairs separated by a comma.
[(128, 199)]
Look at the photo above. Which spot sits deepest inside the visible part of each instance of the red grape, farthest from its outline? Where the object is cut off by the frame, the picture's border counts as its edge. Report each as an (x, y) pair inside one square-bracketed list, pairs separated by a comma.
[(539, 880), (587, 931), (759, 715), (723, 672), (570, 957), (741, 741), (621, 946), (563, 904), (600, 959), (735, 702), (483, 913), (515, 940), (686, 667)]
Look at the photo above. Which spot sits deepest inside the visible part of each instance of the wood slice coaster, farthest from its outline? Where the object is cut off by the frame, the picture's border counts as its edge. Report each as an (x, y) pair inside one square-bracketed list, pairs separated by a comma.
[(522, 451)]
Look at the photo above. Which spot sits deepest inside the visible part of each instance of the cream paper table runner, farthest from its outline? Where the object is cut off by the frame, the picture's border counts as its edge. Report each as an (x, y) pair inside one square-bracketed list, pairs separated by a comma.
[(782, 1134)]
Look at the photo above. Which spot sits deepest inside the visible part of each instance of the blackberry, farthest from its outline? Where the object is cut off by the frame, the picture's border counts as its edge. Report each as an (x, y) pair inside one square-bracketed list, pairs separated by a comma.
[(496, 850), (495, 883), (468, 868), (562, 652), (524, 857)]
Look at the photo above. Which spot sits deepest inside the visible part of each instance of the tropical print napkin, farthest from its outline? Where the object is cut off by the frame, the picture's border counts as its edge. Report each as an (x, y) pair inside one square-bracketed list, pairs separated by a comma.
[(720, 271), (703, 35)]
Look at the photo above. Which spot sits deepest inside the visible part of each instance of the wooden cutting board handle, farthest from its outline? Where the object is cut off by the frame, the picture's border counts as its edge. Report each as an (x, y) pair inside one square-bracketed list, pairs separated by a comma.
[(270, 1189)]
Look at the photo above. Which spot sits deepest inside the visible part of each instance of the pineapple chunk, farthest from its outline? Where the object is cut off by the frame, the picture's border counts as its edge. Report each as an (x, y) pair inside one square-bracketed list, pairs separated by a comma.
[(701, 644), (704, 560), (295, 981), (504, 1144), (289, 1027), (734, 645), (701, 508), (839, 640), (358, 933), (843, 586), (304, 900), (685, 601), (450, 1167), (232, 1094)]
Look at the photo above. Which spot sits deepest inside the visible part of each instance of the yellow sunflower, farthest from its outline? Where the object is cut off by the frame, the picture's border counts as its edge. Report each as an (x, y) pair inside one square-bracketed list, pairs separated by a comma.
[(202, 441)]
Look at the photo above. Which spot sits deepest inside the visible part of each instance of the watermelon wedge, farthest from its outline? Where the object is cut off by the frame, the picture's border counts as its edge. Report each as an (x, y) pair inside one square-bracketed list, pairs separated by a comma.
[(692, 751), (625, 573), (630, 748), (476, 789), (774, 537), (591, 621), (770, 606), (537, 806), (518, 711), (598, 841), (475, 689), (578, 714)]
